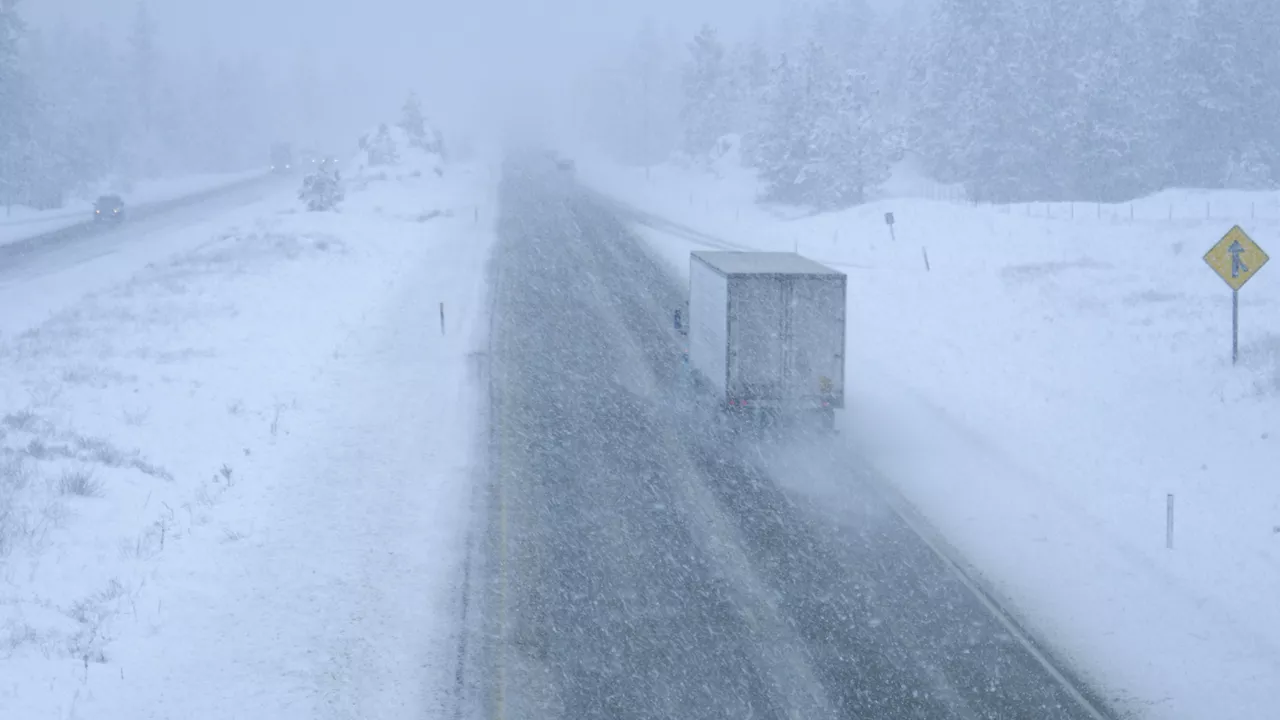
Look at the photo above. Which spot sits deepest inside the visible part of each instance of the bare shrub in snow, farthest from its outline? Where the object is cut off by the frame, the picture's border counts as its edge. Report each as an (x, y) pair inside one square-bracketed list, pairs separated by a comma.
[(1263, 357), (15, 634), (80, 483), (92, 613), (94, 376), (23, 420), (45, 394), (38, 450), (135, 418), (15, 522), (14, 474)]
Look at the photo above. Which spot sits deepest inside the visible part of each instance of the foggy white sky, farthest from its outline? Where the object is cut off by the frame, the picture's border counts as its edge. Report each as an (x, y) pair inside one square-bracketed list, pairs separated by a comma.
[(469, 55)]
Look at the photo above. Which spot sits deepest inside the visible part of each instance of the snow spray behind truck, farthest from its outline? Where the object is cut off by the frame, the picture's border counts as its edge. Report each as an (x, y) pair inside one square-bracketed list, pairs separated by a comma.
[(766, 333)]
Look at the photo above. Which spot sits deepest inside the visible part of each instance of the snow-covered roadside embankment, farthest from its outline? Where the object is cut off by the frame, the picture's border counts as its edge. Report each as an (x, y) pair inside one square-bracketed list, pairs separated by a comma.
[(237, 485)]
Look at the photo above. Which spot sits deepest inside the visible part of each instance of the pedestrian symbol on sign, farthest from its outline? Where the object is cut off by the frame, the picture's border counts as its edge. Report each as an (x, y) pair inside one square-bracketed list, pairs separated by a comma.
[(1237, 265)]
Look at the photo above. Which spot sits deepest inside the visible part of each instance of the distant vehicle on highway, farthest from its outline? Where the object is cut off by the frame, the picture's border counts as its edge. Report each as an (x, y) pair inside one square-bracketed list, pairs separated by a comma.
[(281, 158), (766, 334), (108, 207), (565, 164)]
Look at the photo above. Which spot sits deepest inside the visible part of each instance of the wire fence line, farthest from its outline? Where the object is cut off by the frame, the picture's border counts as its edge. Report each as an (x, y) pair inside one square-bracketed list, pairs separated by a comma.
[(1213, 206)]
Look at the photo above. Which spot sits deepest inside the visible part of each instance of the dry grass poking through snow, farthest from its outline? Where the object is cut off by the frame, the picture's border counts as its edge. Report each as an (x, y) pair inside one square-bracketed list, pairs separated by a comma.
[(83, 510), (1262, 357)]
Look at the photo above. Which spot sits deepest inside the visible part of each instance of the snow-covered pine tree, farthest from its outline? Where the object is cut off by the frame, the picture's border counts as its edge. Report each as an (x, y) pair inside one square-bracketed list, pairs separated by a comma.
[(818, 126), (1105, 134), (750, 74), (858, 159), (946, 92), (894, 47), (49, 152), (86, 84), (144, 149), (707, 94), (1229, 100), (1164, 32), (845, 153), (776, 158), (382, 148), (987, 115), (413, 122), (15, 106)]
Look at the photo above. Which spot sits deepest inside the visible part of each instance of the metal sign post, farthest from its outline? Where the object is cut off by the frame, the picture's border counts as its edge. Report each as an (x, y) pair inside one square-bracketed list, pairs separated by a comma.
[(1235, 258), (1235, 326), (888, 220)]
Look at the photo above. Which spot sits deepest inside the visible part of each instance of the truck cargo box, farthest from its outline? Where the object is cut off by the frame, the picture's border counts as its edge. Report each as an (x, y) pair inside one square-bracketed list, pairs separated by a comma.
[(767, 330)]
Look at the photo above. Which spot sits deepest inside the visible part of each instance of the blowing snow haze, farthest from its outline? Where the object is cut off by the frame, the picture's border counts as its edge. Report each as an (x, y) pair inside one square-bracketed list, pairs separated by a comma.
[(479, 59), (665, 360)]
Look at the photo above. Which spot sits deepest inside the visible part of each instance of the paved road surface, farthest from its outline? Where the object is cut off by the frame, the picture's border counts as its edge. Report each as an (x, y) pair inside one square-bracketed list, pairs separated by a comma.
[(642, 563)]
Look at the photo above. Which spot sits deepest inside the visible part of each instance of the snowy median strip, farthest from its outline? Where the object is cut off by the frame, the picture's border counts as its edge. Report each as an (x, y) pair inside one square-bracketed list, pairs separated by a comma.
[(237, 483)]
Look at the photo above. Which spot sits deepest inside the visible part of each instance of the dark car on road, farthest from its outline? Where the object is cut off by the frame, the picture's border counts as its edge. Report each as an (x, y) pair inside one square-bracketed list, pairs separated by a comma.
[(108, 207)]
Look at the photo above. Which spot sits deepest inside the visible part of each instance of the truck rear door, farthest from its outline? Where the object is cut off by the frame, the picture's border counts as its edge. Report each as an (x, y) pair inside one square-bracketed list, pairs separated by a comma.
[(814, 343), (756, 339)]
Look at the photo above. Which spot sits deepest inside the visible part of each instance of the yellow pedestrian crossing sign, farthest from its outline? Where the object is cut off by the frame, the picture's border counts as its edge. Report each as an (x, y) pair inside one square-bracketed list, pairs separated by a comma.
[(1236, 258)]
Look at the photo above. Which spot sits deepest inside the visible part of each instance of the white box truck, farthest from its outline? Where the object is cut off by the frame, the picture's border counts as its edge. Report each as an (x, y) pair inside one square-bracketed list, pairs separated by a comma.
[(766, 332)]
